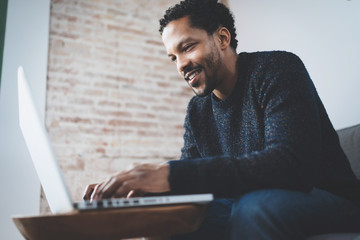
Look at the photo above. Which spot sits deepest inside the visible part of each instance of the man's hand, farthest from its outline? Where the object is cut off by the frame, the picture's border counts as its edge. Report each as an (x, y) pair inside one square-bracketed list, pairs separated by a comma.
[(138, 180), (91, 190)]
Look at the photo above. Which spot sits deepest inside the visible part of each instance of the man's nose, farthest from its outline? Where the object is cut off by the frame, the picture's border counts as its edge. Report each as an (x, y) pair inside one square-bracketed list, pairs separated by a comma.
[(182, 64)]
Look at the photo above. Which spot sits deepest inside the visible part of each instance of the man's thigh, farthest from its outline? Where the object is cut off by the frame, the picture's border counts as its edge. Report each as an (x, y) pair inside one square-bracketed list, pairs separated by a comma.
[(277, 214), (283, 214)]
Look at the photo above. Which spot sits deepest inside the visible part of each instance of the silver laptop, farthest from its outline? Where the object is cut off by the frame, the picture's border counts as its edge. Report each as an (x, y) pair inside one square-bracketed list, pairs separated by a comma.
[(49, 173)]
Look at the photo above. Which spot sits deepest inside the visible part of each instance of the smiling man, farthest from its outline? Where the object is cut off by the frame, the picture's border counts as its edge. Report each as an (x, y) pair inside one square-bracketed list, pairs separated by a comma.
[(203, 60), (256, 136)]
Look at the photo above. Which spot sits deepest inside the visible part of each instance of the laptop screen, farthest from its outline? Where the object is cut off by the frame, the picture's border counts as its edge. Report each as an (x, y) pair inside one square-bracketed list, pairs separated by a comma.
[(40, 149)]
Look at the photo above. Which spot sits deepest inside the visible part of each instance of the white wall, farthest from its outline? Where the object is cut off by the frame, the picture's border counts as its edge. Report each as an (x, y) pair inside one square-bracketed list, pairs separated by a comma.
[(325, 34), (26, 43)]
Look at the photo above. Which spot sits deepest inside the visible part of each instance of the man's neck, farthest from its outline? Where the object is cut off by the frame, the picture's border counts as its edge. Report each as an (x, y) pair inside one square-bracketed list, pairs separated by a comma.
[(229, 77)]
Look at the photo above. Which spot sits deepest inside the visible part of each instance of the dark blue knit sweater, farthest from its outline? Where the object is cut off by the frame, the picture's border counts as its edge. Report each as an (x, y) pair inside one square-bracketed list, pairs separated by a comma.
[(271, 132)]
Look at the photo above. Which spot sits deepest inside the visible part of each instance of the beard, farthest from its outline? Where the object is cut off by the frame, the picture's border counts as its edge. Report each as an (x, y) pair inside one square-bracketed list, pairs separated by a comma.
[(213, 63)]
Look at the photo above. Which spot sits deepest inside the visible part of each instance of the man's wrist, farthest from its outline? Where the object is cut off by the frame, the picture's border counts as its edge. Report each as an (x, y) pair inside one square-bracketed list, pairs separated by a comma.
[(165, 171)]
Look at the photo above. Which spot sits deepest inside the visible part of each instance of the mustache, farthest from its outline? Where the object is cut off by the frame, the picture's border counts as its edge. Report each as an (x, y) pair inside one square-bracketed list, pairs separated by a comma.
[(188, 69)]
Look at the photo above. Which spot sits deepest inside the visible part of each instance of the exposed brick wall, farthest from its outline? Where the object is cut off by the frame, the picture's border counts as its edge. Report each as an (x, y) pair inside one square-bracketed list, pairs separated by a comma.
[(113, 96)]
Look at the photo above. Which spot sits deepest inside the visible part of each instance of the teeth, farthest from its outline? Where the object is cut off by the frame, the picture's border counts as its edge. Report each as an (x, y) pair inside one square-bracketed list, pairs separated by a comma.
[(194, 74)]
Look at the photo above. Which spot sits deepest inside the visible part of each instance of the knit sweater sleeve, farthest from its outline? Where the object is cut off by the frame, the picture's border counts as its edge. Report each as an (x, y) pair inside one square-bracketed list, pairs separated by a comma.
[(292, 141), (189, 150)]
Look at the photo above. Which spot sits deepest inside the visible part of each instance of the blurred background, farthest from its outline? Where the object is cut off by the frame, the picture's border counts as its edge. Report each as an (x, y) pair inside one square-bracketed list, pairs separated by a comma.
[(109, 96)]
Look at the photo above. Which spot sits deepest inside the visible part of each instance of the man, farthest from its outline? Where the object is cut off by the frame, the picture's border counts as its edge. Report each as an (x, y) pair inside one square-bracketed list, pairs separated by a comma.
[(256, 136)]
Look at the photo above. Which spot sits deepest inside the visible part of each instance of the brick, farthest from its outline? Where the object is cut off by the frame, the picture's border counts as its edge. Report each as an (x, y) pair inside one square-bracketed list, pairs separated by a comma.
[(113, 96)]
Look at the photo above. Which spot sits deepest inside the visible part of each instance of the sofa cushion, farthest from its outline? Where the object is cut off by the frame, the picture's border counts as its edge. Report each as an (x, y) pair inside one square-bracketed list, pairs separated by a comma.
[(336, 236), (350, 143)]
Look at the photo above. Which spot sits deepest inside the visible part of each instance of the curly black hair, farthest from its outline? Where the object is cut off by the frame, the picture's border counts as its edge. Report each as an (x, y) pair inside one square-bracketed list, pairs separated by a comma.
[(204, 14)]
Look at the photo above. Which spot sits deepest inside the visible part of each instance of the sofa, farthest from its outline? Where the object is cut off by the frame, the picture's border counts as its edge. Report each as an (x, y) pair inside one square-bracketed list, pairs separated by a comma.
[(350, 142)]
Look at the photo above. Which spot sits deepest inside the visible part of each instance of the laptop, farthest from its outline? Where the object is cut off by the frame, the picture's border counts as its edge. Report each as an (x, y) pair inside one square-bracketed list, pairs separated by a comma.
[(49, 173)]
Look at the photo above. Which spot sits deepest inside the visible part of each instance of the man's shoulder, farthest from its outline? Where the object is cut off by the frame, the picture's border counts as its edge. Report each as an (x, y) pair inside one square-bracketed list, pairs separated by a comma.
[(268, 62), (269, 56)]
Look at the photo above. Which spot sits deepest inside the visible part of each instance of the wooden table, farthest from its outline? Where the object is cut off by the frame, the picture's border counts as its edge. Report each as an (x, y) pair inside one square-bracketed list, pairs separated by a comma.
[(113, 224)]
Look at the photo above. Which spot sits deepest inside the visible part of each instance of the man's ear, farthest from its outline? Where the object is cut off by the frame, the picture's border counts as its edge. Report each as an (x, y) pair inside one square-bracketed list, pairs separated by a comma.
[(224, 37)]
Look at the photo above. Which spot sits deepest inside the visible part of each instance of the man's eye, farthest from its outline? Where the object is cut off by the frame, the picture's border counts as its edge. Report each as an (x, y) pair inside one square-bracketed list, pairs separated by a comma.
[(173, 59), (188, 47)]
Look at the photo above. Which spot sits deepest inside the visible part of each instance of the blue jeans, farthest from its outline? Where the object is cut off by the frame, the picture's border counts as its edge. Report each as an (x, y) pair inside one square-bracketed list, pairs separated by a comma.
[(277, 214)]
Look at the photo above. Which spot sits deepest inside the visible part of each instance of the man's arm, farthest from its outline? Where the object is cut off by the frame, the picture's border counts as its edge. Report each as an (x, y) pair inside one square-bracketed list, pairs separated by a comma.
[(138, 180), (292, 142), (189, 150)]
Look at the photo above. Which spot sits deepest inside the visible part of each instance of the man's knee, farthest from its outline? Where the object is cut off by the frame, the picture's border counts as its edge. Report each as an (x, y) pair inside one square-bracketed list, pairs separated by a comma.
[(262, 213), (249, 207), (263, 205)]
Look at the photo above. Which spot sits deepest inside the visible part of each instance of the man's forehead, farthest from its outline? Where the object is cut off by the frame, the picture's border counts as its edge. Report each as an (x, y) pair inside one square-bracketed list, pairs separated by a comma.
[(177, 26), (180, 31)]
